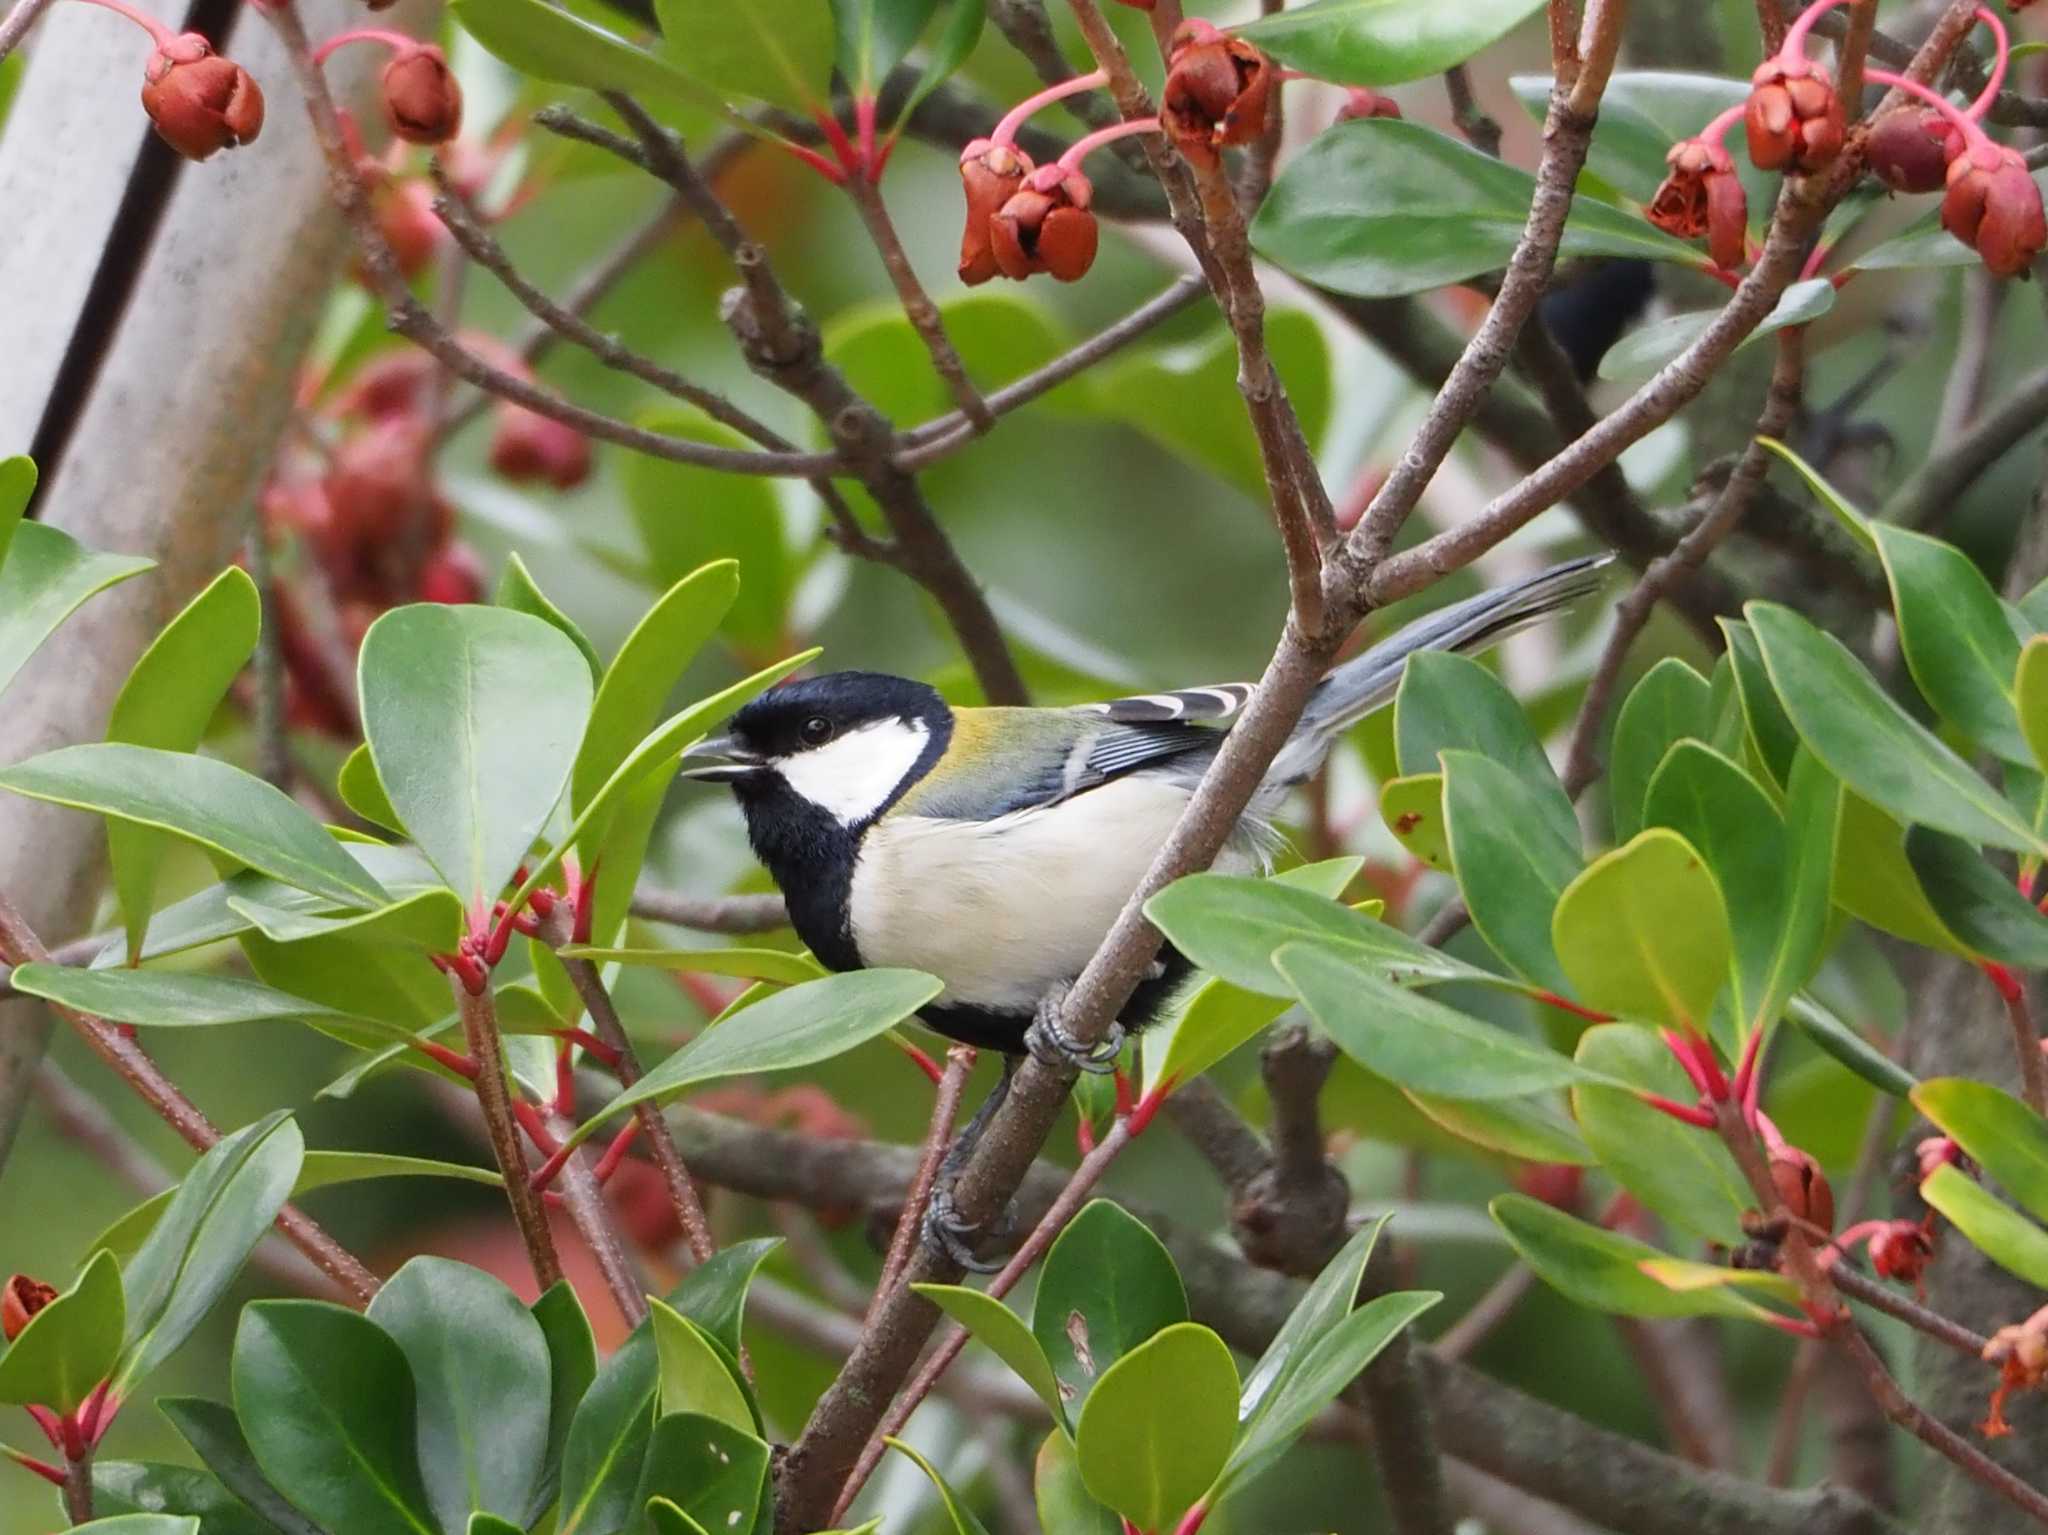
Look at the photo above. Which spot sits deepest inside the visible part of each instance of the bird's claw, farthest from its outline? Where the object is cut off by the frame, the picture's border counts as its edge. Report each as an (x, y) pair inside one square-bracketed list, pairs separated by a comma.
[(953, 1237), (1048, 1040)]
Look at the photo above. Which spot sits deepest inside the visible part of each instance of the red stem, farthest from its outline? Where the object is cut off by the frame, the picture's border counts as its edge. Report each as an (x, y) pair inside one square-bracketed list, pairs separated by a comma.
[(440, 1054), (1714, 131), (1012, 120), (1699, 1118), (1992, 86), (1087, 144), (397, 42), (1795, 35), (1973, 135), (160, 34)]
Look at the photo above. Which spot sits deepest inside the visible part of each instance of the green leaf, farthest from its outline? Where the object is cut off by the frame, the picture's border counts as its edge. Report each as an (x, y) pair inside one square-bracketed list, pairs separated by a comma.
[(1643, 933), (999, 334), (166, 702), (1850, 1048), (225, 811), (1813, 812), (1642, 114), (216, 1438), (1994, 1228), (1062, 1497), (2006, 1138), (607, 1442), (1604, 1269), (1413, 809), (1672, 703), (1770, 729), (1158, 1428), (1328, 1367), (138, 1487), (962, 1517), (874, 36), (222, 1208), (1107, 1286), (1533, 1129), (949, 50), (689, 517), (1683, 1174), (1976, 902), (2030, 694), (572, 1367), (1512, 862), (1415, 1041), (1642, 352), (481, 1371), (46, 576), (1384, 42), (69, 1346), (1871, 744), (363, 792), (168, 998), (1382, 208), (1921, 245), (1853, 522), (17, 476), (714, 1293), (706, 1470), (777, 51), (694, 1377), (778, 966), (518, 591), (1450, 702), (429, 922), (1874, 881), (1325, 1303), (1961, 643), (491, 1524), (798, 1027), (1231, 926), (548, 43), (667, 1519), (141, 1524), (1000, 1330), (472, 715), (326, 1399)]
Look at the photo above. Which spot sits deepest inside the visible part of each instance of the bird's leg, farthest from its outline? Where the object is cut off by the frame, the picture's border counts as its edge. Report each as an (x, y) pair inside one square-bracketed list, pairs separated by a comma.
[(944, 1229), (1049, 1041)]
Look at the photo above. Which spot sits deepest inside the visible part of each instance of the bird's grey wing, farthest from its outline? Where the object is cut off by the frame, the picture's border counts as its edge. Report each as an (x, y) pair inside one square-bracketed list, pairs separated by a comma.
[(1058, 754), (1219, 702)]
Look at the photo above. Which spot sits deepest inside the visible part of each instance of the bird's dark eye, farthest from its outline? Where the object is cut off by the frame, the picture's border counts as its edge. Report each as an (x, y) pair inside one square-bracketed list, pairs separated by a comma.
[(816, 730)]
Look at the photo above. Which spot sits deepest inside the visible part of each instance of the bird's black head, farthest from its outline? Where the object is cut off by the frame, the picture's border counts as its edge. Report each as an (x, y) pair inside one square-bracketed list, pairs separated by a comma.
[(834, 712)]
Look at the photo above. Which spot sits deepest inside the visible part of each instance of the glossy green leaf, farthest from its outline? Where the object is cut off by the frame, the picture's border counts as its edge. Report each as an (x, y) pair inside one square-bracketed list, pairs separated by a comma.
[(1958, 639), (1871, 744), (1643, 933), (1993, 1227), (1003, 1333), (70, 1346), (1854, 523), (480, 1369), (999, 334), (141, 1524), (472, 715), (714, 1293), (363, 792), (1976, 902), (950, 48), (46, 576), (1643, 351), (1061, 1496), (1158, 1428), (166, 702), (607, 1442), (1450, 702), (780, 966), (1874, 881), (1108, 1285), (1671, 703), (1323, 1305), (17, 485), (961, 1516), (1532, 1129), (167, 998), (874, 36), (1384, 42), (1682, 1174), (777, 51), (182, 1492), (1922, 245), (798, 1027), (1413, 809), (1833, 1035), (572, 1366), (222, 1208), (216, 1438), (707, 1470), (225, 811), (1232, 926), (694, 1377), (326, 1399), (427, 922), (1381, 208), (2005, 1137), (1769, 728), (1813, 812), (491, 1524), (2030, 695), (667, 1519), (689, 517), (518, 591), (1604, 1269), (1326, 1369), (1512, 862), (549, 43), (1415, 1041)]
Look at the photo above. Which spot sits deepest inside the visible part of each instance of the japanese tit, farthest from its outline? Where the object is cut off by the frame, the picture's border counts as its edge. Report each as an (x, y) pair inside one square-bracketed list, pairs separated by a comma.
[(994, 847)]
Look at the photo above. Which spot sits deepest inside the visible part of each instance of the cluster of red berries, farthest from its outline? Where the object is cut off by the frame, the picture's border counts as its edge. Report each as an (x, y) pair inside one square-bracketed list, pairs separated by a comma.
[(1794, 120)]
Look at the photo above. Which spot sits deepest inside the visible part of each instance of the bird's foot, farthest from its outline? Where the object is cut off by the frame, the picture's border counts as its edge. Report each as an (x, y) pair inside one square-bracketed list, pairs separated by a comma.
[(956, 1239), (1048, 1040)]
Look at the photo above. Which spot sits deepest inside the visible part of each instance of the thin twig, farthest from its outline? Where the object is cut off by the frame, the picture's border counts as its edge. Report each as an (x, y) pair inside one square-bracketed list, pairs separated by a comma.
[(1936, 487), (78, 1488), (20, 945), (2026, 1042), (1472, 120), (917, 304), (711, 914), (593, 1217), (1880, 1297), (1486, 1313), (494, 1097), (19, 20), (945, 1108)]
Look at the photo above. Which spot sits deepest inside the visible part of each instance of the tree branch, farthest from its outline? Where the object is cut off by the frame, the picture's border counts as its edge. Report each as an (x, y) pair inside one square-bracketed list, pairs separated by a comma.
[(1935, 487), (918, 307), (24, 15), (711, 914), (494, 1097)]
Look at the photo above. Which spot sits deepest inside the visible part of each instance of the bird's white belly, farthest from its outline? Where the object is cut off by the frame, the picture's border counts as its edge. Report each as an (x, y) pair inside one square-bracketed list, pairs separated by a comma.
[(1003, 911)]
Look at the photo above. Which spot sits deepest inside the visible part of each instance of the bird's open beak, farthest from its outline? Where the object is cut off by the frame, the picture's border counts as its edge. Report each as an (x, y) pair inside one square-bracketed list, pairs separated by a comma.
[(721, 759)]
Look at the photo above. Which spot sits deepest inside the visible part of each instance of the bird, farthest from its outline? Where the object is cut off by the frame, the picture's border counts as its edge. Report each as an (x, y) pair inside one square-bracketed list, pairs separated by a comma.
[(993, 848)]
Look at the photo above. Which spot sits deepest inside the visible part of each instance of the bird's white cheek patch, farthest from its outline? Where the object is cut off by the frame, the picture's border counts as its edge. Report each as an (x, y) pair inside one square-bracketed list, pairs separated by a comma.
[(854, 776)]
